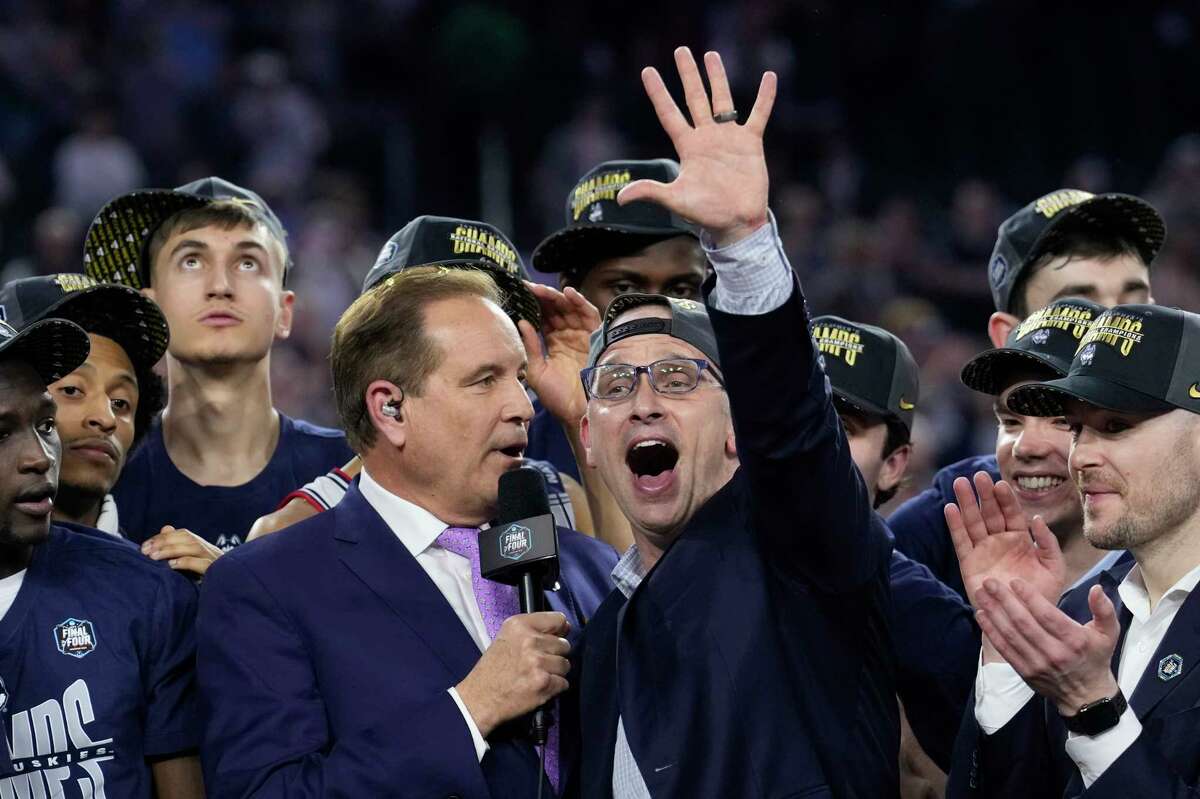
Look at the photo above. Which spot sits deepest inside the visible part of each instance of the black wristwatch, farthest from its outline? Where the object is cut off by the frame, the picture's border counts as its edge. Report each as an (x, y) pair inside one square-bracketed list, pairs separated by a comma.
[(1096, 717)]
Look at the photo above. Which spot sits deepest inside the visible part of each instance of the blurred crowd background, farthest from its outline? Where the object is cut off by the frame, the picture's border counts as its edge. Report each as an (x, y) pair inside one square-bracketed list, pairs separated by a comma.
[(904, 134)]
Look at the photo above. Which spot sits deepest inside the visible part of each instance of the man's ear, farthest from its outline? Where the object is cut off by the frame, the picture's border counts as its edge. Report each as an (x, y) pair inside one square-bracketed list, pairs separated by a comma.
[(385, 406), (149, 292), (730, 444), (891, 472), (283, 325), (999, 326), (585, 438)]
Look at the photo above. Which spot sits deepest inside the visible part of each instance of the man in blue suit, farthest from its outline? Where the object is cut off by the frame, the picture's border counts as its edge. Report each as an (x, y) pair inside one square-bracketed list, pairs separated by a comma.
[(1096, 696), (747, 651), (344, 658)]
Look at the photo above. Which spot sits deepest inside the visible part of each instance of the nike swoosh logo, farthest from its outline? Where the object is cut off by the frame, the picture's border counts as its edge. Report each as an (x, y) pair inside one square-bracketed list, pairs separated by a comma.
[(664, 768), (905, 405), (1194, 391)]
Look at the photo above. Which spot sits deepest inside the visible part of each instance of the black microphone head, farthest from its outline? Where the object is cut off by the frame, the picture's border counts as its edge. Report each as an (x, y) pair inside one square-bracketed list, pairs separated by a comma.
[(522, 495), (524, 539)]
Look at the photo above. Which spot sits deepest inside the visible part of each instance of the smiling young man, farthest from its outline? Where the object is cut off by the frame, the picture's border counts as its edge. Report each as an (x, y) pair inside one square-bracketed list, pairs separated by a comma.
[(1033, 452), (106, 405), (215, 259), (1093, 697), (746, 652), (96, 648), (1066, 243)]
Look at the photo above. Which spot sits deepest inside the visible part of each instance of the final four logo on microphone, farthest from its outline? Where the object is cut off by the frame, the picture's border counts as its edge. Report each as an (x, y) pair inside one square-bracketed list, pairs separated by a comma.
[(515, 542)]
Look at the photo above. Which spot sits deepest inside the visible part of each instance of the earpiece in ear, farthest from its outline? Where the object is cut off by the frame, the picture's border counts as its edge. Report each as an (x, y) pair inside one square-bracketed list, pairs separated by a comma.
[(390, 409)]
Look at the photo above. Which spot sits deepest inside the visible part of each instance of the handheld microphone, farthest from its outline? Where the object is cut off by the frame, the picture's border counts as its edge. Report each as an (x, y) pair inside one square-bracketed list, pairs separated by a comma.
[(521, 549)]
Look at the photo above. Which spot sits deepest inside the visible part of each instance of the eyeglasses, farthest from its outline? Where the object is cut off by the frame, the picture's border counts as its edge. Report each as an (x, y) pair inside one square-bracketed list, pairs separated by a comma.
[(670, 376)]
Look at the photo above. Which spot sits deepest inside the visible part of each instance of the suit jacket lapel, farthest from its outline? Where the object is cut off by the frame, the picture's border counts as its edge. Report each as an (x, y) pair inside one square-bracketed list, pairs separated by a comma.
[(1182, 641), (1109, 584), (369, 549)]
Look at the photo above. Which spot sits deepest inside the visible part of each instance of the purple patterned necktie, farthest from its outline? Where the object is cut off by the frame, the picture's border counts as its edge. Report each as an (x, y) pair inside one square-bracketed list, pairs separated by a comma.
[(496, 603)]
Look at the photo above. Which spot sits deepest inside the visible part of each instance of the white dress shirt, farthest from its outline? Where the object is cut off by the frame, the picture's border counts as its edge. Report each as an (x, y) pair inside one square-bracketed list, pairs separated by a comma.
[(753, 277), (418, 530), (108, 521), (1000, 693), (10, 586)]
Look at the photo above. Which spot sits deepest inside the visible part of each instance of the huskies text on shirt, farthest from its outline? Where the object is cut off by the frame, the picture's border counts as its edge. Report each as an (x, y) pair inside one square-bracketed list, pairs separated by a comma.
[(96, 670), (152, 492)]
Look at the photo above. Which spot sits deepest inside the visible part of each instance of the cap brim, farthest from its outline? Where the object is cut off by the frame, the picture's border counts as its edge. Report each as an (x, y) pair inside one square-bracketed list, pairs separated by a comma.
[(991, 372), (115, 246), (519, 301), (863, 406), (1049, 399), (1133, 217), (120, 313), (581, 246), (53, 347)]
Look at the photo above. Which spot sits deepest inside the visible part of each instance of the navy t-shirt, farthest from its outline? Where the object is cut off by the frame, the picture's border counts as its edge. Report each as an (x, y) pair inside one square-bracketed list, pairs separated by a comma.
[(919, 524), (152, 492), (96, 670)]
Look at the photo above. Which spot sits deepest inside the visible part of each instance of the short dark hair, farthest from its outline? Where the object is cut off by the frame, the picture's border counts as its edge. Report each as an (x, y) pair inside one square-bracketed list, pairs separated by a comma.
[(897, 437), (1072, 239)]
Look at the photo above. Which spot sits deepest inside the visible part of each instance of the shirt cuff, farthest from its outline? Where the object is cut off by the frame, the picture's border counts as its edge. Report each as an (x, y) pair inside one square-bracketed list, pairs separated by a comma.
[(1000, 693), (1093, 754), (753, 275), (481, 744)]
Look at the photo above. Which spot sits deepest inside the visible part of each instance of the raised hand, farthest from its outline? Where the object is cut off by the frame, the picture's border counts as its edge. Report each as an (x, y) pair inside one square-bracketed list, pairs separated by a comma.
[(1067, 662), (722, 184), (993, 540), (568, 320)]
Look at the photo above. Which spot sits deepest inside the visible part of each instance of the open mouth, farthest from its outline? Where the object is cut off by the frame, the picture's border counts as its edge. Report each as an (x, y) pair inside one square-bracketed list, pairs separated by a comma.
[(1039, 484), (652, 460), (515, 451)]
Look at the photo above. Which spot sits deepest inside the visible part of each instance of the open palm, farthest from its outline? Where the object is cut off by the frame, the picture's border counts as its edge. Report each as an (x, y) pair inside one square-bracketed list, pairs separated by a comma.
[(722, 183), (994, 541)]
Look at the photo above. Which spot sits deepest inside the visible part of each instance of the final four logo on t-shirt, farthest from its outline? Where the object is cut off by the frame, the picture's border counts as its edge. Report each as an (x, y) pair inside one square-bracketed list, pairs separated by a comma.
[(75, 637)]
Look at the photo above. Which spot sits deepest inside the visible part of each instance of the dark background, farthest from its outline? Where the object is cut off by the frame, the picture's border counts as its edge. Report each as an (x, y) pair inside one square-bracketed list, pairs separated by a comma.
[(903, 134)]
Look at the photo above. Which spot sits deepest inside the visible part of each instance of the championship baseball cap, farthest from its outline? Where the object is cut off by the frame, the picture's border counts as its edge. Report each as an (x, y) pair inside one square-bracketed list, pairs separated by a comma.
[(1044, 344), (1134, 358), (868, 368), (53, 347), (115, 246), (463, 243), (597, 227), (1023, 237), (688, 322), (106, 309)]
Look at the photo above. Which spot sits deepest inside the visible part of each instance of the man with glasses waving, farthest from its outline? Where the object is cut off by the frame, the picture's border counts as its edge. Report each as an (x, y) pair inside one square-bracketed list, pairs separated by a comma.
[(745, 652)]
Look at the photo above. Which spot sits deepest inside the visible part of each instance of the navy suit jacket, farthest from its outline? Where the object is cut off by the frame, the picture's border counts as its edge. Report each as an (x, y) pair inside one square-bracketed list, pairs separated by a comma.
[(324, 658), (1027, 758), (753, 660)]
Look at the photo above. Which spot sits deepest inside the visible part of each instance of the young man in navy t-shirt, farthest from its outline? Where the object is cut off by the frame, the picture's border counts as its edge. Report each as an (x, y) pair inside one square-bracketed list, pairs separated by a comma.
[(96, 647), (214, 257)]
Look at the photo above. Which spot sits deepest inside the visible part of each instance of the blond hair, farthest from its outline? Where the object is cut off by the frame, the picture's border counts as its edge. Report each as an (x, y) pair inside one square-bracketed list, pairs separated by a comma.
[(226, 214)]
